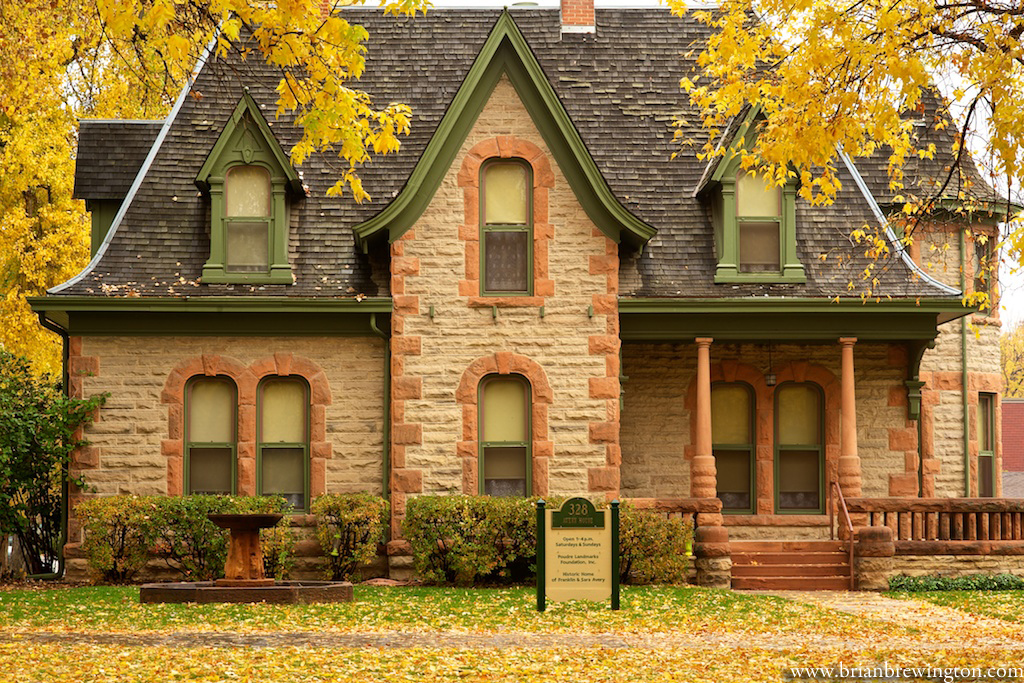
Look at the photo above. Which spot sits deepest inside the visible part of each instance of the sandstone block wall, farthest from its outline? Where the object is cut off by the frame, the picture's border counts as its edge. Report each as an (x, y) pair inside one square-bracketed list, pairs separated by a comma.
[(957, 565), (568, 352), (128, 451)]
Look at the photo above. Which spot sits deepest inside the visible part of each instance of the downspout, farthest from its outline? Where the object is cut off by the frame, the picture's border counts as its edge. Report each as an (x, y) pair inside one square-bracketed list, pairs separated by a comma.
[(963, 367), (64, 488), (386, 464)]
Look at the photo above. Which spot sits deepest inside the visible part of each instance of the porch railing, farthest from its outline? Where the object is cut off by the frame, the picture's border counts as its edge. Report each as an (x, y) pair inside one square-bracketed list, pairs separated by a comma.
[(837, 508), (956, 525)]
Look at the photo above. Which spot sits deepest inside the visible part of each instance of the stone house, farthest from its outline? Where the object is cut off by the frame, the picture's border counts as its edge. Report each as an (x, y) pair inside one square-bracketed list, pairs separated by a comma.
[(538, 300)]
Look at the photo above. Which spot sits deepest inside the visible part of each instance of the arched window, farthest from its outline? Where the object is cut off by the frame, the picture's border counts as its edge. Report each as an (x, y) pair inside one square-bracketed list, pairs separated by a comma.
[(799, 449), (506, 240), (210, 435), (732, 435), (248, 216), (505, 465), (283, 449)]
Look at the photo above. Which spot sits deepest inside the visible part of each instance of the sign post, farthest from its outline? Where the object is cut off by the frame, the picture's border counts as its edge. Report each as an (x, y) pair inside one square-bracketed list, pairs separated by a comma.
[(577, 552)]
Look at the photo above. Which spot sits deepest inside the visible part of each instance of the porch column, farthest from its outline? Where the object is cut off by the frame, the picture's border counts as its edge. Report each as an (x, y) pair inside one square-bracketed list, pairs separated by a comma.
[(703, 477), (849, 461)]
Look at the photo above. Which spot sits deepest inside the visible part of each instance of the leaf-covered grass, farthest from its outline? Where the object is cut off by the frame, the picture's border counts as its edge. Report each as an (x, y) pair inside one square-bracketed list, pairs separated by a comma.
[(1005, 605), (376, 609), (89, 663)]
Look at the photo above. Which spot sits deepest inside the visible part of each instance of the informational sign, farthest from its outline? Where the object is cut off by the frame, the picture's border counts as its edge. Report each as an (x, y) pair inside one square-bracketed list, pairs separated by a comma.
[(577, 552)]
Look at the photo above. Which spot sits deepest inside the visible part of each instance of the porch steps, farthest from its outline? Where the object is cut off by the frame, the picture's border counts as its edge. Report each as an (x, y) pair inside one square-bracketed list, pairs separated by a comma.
[(790, 565)]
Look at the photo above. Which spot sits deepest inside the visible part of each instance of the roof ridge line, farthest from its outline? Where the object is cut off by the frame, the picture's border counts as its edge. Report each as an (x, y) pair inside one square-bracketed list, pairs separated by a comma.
[(143, 170)]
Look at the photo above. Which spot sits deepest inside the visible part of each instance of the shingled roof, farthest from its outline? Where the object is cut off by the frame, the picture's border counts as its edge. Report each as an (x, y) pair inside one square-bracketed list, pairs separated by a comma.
[(110, 154), (619, 87)]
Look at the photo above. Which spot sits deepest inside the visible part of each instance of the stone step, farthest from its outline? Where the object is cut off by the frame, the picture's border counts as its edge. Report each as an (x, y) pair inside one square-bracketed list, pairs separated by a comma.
[(790, 558), (792, 570), (777, 546), (782, 583)]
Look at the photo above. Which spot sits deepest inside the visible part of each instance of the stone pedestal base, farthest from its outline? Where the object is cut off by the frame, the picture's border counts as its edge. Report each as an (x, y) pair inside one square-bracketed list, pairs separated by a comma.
[(873, 558), (712, 557)]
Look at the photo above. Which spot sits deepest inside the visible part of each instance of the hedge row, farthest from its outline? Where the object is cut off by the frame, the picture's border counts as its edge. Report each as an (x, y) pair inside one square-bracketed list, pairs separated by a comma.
[(123, 532), (974, 582), (467, 540)]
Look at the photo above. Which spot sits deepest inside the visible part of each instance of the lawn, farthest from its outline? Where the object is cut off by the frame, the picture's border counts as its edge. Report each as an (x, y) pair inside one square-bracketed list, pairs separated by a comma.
[(425, 609), (1005, 605)]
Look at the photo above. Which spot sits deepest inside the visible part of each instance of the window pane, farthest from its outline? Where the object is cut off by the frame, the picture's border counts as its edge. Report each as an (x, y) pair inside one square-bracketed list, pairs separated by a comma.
[(284, 474), (799, 478), (984, 422), (247, 247), (505, 471), (733, 478), (986, 474), (799, 415), (504, 410), (506, 268), (759, 247), (283, 412), (505, 199), (211, 411), (247, 191), (209, 470), (755, 197), (730, 414)]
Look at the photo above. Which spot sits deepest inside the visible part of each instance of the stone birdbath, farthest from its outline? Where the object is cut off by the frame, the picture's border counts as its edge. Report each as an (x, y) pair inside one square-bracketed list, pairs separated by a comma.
[(244, 566), (244, 577)]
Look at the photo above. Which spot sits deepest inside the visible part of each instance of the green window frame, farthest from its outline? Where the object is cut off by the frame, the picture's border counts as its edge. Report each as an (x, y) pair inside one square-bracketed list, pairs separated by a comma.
[(731, 452), (986, 445), (272, 452), (201, 454), (502, 440), (787, 456), (981, 262), (495, 229)]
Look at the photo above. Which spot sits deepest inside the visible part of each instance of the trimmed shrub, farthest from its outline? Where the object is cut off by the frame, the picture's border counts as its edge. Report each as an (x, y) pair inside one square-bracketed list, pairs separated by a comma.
[(652, 549), (119, 531), (189, 542), (974, 582), (349, 527), (466, 540)]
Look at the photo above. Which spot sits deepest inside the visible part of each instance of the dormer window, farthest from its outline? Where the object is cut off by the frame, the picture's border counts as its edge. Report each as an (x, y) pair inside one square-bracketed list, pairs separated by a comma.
[(247, 219), (506, 228), (249, 181)]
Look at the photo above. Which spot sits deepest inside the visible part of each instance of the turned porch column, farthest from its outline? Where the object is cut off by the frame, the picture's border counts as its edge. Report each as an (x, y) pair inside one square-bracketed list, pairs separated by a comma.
[(849, 460), (703, 477)]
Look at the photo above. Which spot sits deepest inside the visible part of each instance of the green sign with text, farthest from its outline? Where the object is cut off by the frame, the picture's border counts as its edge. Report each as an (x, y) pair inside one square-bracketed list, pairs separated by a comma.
[(577, 552)]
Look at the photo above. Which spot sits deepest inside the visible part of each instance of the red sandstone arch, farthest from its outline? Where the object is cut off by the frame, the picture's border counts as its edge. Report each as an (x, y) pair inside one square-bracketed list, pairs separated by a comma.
[(504, 363)]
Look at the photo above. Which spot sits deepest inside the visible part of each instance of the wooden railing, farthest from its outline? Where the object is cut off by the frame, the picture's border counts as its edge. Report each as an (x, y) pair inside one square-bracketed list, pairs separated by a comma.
[(686, 509), (837, 503), (941, 525)]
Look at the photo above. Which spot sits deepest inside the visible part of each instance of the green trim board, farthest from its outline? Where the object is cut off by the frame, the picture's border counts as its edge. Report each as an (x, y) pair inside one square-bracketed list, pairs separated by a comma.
[(507, 53), (784, 319), (213, 316)]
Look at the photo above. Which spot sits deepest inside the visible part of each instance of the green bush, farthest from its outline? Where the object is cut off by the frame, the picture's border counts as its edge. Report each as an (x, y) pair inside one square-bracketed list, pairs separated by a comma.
[(652, 549), (119, 531), (122, 532), (974, 582), (478, 539), (349, 527)]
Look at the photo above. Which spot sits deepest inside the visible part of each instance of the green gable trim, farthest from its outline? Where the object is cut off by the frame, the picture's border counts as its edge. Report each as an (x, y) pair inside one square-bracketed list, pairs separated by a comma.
[(778, 319), (269, 146), (506, 52), (209, 316)]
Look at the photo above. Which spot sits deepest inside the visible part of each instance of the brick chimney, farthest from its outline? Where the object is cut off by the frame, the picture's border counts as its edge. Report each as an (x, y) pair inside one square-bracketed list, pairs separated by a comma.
[(578, 16)]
